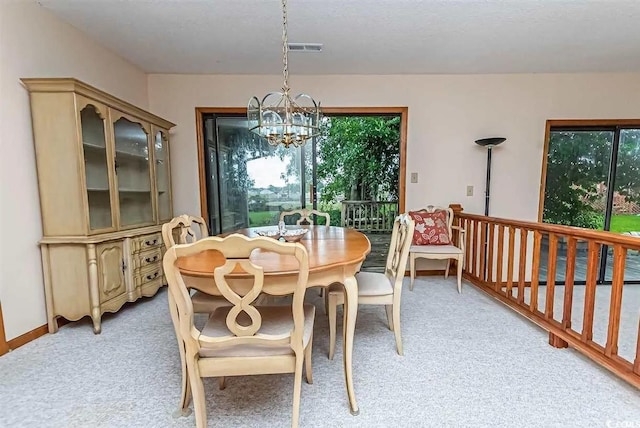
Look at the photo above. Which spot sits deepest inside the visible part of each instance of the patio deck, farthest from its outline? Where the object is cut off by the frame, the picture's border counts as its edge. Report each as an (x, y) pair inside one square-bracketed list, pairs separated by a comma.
[(377, 259)]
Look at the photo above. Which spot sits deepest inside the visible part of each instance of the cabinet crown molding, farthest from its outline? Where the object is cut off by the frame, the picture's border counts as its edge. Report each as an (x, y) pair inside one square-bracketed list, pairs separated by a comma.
[(70, 84)]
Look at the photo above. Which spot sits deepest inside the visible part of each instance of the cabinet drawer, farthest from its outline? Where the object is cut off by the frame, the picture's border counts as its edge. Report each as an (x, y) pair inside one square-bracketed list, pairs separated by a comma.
[(147, 258), (146, 242), (148, 274)]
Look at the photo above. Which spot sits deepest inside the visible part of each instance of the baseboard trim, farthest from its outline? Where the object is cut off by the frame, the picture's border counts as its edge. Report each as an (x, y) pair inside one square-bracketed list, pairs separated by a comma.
[(431, 272), (28, 337)]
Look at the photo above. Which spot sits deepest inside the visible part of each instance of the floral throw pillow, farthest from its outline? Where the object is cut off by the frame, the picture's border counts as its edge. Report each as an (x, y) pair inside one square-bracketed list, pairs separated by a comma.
[(431, 228)]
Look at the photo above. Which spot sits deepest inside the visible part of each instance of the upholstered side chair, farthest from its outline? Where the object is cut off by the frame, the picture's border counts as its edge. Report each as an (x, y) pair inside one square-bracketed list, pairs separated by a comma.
[(433, 239), (376, 288)]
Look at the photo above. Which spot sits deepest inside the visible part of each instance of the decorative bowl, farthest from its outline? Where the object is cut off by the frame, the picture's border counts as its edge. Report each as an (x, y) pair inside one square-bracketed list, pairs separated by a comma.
[(294, 235), (274, 233), (290, 235)]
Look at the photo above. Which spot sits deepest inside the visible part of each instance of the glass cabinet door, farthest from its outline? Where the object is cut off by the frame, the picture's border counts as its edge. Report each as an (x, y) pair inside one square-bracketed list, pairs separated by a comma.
[(163, 184), (133, 171), (96, 167)]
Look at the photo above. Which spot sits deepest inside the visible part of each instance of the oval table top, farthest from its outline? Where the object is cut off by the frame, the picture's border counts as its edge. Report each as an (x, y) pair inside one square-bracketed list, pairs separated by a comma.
[(328, 247)]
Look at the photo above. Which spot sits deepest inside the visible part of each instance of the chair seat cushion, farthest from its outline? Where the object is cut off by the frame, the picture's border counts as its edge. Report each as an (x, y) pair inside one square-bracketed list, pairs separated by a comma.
[(206, 303), (275, 320), (435, 249), (373, 284)]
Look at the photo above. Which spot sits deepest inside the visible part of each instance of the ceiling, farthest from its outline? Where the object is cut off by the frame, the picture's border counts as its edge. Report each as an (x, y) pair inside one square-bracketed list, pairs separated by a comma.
[(365, 36)]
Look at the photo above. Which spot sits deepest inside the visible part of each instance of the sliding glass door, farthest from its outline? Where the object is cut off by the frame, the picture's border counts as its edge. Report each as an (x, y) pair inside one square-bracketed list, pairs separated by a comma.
[(249, 182), (593, 181)]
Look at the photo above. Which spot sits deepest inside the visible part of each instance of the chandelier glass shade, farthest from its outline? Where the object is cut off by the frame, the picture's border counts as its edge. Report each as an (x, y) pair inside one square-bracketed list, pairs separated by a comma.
[(280, 118)]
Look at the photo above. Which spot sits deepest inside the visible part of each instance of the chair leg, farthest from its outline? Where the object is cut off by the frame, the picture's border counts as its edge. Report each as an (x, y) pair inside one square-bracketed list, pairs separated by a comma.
[(332, 304), (307, 361), (185, 396), (460, 262), (297, 387), (396, 323), (446, 271), (389, 311), (222, 384), (325, 298), (197, 388), (184, 402), (412, 270)]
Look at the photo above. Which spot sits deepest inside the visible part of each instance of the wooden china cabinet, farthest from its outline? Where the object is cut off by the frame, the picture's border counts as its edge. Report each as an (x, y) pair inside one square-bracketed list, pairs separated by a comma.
[(105, 191)]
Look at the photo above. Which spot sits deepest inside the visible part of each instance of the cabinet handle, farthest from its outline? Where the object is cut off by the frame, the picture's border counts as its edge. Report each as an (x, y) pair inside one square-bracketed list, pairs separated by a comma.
[(154, 276), (151, 259), (154, 242)]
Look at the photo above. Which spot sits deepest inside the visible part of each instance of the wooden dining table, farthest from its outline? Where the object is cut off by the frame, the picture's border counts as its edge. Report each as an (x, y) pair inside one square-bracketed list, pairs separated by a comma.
[(335, 256)]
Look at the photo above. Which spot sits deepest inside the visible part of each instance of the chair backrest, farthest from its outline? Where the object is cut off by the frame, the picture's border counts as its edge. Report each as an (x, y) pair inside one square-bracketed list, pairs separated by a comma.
[(401, 238), (237, 250), (305, 216), (447, 210), (184, 229)]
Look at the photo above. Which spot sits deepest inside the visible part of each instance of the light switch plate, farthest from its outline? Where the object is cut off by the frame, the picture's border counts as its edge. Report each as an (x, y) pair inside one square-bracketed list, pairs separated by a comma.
[(469, 190), (414, 177)]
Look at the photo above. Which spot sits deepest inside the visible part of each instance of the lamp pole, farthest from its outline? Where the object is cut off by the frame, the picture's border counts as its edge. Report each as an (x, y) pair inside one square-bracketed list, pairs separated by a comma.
[(489, 143), (487, 182)]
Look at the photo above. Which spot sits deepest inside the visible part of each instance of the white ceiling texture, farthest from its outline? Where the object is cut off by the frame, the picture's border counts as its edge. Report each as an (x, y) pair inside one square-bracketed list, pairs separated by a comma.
[(365, 36)]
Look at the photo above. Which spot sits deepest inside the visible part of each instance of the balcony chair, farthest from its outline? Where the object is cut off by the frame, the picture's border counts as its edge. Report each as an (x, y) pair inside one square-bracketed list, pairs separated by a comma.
[(375, 288), (242, 338), (432, 239), (305, 216)]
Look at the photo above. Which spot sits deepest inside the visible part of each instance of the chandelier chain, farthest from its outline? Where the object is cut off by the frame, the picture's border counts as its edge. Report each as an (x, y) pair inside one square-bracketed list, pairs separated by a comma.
[(285, 48)]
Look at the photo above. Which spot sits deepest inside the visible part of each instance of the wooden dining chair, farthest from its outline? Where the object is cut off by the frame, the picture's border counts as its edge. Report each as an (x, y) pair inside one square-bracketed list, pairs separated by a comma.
[(376, 288), (243, 338), (306, 216), (186, 229)]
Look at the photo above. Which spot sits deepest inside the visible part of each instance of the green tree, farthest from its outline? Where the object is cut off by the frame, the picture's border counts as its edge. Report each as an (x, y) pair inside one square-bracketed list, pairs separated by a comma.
[(577, 163), (359, 158)]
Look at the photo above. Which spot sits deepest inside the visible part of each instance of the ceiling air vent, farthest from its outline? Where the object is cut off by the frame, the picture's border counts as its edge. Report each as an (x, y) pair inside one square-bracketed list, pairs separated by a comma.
[(305, 47)]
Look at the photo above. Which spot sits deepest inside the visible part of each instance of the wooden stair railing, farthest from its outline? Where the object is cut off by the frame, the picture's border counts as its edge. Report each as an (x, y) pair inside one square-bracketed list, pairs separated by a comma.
[(494, 255)]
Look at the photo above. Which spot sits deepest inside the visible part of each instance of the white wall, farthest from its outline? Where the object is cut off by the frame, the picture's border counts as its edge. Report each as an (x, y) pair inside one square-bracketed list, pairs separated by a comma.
[(447, 113), (34, 43)]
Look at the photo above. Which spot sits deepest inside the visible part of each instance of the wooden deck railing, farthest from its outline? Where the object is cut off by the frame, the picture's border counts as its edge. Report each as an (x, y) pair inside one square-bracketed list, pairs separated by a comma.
[(369, 216), (504, 259)]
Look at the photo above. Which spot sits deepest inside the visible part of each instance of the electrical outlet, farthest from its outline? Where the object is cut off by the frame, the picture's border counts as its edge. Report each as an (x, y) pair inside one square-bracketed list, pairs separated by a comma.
[(414, 177), (469, 190)]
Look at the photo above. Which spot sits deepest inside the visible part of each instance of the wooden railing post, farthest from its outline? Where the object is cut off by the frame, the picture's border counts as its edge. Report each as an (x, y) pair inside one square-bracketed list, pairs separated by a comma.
[(457, 221)]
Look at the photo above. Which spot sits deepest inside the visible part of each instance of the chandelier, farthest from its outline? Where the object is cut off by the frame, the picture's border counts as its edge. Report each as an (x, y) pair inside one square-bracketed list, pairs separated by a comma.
[(279, 118)]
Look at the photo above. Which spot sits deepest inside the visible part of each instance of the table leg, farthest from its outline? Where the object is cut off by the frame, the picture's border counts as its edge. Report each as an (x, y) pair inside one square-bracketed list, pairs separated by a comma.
[(349, 327)]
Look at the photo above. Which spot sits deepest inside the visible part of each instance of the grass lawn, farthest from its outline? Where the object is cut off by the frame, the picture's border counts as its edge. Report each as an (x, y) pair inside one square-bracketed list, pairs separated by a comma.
[(625, 223), (270, 218), (263, 218)]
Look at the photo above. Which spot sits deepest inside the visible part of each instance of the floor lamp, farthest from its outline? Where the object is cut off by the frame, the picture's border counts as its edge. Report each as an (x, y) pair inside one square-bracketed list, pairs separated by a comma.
[(489, 143)]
